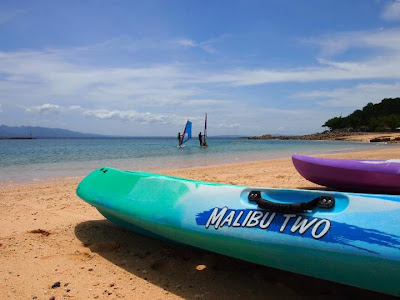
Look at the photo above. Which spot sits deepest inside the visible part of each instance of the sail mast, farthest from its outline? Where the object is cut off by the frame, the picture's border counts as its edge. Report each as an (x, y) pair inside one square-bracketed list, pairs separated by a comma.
[(205, 130)]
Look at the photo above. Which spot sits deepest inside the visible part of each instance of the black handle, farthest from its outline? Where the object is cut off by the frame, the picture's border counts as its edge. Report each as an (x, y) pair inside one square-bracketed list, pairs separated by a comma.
[(323, 201)]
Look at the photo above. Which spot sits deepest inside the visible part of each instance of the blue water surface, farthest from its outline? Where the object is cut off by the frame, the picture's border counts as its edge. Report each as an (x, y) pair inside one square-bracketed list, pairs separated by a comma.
[(49, 158)]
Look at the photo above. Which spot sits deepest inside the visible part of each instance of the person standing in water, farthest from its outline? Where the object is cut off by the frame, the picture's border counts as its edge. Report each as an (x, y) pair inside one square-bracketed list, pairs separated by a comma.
[(179, 139), (200, 139)]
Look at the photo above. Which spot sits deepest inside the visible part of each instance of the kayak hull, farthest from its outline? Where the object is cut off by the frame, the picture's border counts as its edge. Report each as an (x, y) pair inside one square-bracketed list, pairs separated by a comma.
[(350, 174), (356, 243)]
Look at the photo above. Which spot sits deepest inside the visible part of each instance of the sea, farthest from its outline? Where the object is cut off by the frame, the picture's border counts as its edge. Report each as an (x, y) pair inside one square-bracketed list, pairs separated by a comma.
[(39, 160)]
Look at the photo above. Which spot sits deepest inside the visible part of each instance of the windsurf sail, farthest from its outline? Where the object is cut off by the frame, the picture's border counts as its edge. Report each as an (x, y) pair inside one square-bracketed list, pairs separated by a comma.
[(187, 132), (205, 132)]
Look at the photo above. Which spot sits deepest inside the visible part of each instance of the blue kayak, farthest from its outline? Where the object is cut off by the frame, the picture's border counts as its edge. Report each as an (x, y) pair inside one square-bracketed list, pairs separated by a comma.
[(348, 238)]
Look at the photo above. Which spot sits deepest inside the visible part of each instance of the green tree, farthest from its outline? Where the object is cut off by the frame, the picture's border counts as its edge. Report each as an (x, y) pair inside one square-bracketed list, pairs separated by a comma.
[(375, 117)]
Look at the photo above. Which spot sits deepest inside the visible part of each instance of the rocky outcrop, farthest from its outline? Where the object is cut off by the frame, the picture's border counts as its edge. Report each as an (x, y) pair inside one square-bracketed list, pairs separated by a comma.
[(315, 136), (380, 139), (337, 136)]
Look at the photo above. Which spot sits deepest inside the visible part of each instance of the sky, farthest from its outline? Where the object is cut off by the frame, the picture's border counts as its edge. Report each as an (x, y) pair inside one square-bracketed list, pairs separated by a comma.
[(142, 68)]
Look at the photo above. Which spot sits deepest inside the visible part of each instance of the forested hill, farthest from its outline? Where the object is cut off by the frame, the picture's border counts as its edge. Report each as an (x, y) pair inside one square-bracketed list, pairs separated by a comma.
[(383, 116)]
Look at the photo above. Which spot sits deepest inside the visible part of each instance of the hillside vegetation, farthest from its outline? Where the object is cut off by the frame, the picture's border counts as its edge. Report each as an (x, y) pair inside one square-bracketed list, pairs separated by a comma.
[(383, 116)]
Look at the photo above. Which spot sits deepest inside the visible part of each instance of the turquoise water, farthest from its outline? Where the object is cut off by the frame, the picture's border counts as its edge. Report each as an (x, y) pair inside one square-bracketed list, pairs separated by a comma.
[(27, 160)]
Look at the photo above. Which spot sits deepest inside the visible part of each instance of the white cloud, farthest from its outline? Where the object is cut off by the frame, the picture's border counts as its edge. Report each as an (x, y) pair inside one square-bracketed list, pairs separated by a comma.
[(53, 74), (105, 114), (283, 112), (45, 108), (379, 68), (143, 118), (50, 73), (159, 119), (168, 93), (223, 121), (186, 43), (1, 107), (75, 107), (154, 101), (33, 76), (356, 97), (391, 12), (332, 44), (228, 125), (49, 108), (206, 46)]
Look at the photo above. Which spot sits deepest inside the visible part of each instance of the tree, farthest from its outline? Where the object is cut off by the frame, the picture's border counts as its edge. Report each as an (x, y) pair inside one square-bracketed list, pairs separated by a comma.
[(334, 123), (375, 117)]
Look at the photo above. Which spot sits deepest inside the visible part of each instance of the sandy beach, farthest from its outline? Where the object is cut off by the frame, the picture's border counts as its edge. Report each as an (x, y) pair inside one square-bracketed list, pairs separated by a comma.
[(365, 137), (55, 246), (393, 137)]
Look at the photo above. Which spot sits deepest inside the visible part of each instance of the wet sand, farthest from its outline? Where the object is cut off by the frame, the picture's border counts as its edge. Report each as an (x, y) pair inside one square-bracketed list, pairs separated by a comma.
[(51, 238)]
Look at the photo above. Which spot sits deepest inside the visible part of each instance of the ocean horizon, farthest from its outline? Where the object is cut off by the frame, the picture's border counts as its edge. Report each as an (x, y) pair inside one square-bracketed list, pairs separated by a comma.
[(30, 161)]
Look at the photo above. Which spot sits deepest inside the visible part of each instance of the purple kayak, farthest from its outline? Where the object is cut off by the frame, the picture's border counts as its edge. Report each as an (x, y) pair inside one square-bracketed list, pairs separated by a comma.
[(351, 174)]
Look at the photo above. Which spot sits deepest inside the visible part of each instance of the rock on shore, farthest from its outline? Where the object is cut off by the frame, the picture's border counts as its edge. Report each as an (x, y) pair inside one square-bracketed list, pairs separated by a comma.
[(392, 137)]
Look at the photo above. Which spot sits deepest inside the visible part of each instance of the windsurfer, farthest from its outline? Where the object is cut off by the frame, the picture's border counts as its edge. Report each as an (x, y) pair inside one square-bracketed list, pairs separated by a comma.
[(200, 139), (179, 139)]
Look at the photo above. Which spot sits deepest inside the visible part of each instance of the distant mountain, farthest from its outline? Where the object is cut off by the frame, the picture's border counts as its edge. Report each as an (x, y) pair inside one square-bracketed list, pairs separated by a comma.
[(42, 132)]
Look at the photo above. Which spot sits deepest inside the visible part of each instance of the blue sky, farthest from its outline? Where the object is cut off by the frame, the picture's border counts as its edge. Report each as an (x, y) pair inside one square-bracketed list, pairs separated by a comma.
[(144, 67)]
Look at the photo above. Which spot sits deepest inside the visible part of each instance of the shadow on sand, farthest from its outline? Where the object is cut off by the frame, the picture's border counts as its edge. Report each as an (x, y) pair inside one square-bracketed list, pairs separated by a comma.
[(192, 273)]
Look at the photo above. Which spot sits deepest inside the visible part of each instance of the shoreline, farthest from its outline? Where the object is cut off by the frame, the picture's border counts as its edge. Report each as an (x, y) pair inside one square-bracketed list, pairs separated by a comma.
[(364, 137), (169, 168), (281, 172), (50, 237)]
